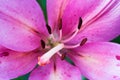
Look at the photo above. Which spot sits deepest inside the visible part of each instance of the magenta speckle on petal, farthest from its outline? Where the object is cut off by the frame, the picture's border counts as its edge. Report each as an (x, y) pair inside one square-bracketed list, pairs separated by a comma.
[(118, 57), (4, 54), (118, 64), (116, 77)]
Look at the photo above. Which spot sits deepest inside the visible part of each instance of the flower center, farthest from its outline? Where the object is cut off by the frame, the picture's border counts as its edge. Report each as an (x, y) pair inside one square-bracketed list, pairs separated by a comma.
[(55, 46), (44, 59)]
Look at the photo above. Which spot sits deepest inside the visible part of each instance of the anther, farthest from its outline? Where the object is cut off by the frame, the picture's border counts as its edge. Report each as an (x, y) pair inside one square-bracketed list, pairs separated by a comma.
[(80, 23), (60, 24), (75, 32), (83, 41), (48, 28), (42, 44), (63, 56)]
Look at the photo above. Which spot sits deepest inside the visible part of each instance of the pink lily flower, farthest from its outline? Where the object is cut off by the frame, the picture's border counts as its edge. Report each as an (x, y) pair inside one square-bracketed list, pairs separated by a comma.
[(78, 29)]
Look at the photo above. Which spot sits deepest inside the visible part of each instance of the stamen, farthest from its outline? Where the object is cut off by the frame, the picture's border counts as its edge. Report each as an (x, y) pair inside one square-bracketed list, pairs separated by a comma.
[(63, 56), (46, 57), (59, 54), (80, 23), (48, 28), (77, 45), (52, 37), (72, 46), (50, 31), (60, 24), (42, 44), (83, 41), (75, 33), (60, 37), (71, 37), (60, 29)]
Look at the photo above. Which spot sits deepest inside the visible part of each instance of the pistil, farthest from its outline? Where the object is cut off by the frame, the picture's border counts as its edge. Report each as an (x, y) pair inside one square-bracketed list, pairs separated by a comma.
[(45, 59)]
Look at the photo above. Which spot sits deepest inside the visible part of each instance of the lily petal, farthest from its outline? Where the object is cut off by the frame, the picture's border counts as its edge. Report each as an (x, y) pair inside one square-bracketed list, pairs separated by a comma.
[(60, 70), (70, 11), (98, 60), (74, 10), (15, 64), (21, 22), (55, 10), (104, 26)]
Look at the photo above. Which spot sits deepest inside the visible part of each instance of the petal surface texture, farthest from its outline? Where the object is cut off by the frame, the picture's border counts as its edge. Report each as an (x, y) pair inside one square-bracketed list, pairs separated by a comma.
[(102, 24), (69, 11), (98, 61), (100, 18), (14, 64), (21, 24), (61, 70)]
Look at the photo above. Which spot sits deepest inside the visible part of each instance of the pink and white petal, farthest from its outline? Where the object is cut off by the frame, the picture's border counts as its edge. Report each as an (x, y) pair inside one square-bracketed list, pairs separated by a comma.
[(104, 27), (26, 11), (73, 11), (100, 7), (60, 70), (15, 37), (55, 10), (70, 11), (98, 60), (20, 23), (14, 64)]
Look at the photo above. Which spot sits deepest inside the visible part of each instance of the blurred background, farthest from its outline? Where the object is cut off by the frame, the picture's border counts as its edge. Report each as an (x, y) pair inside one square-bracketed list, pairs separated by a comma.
[(43, 5)]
